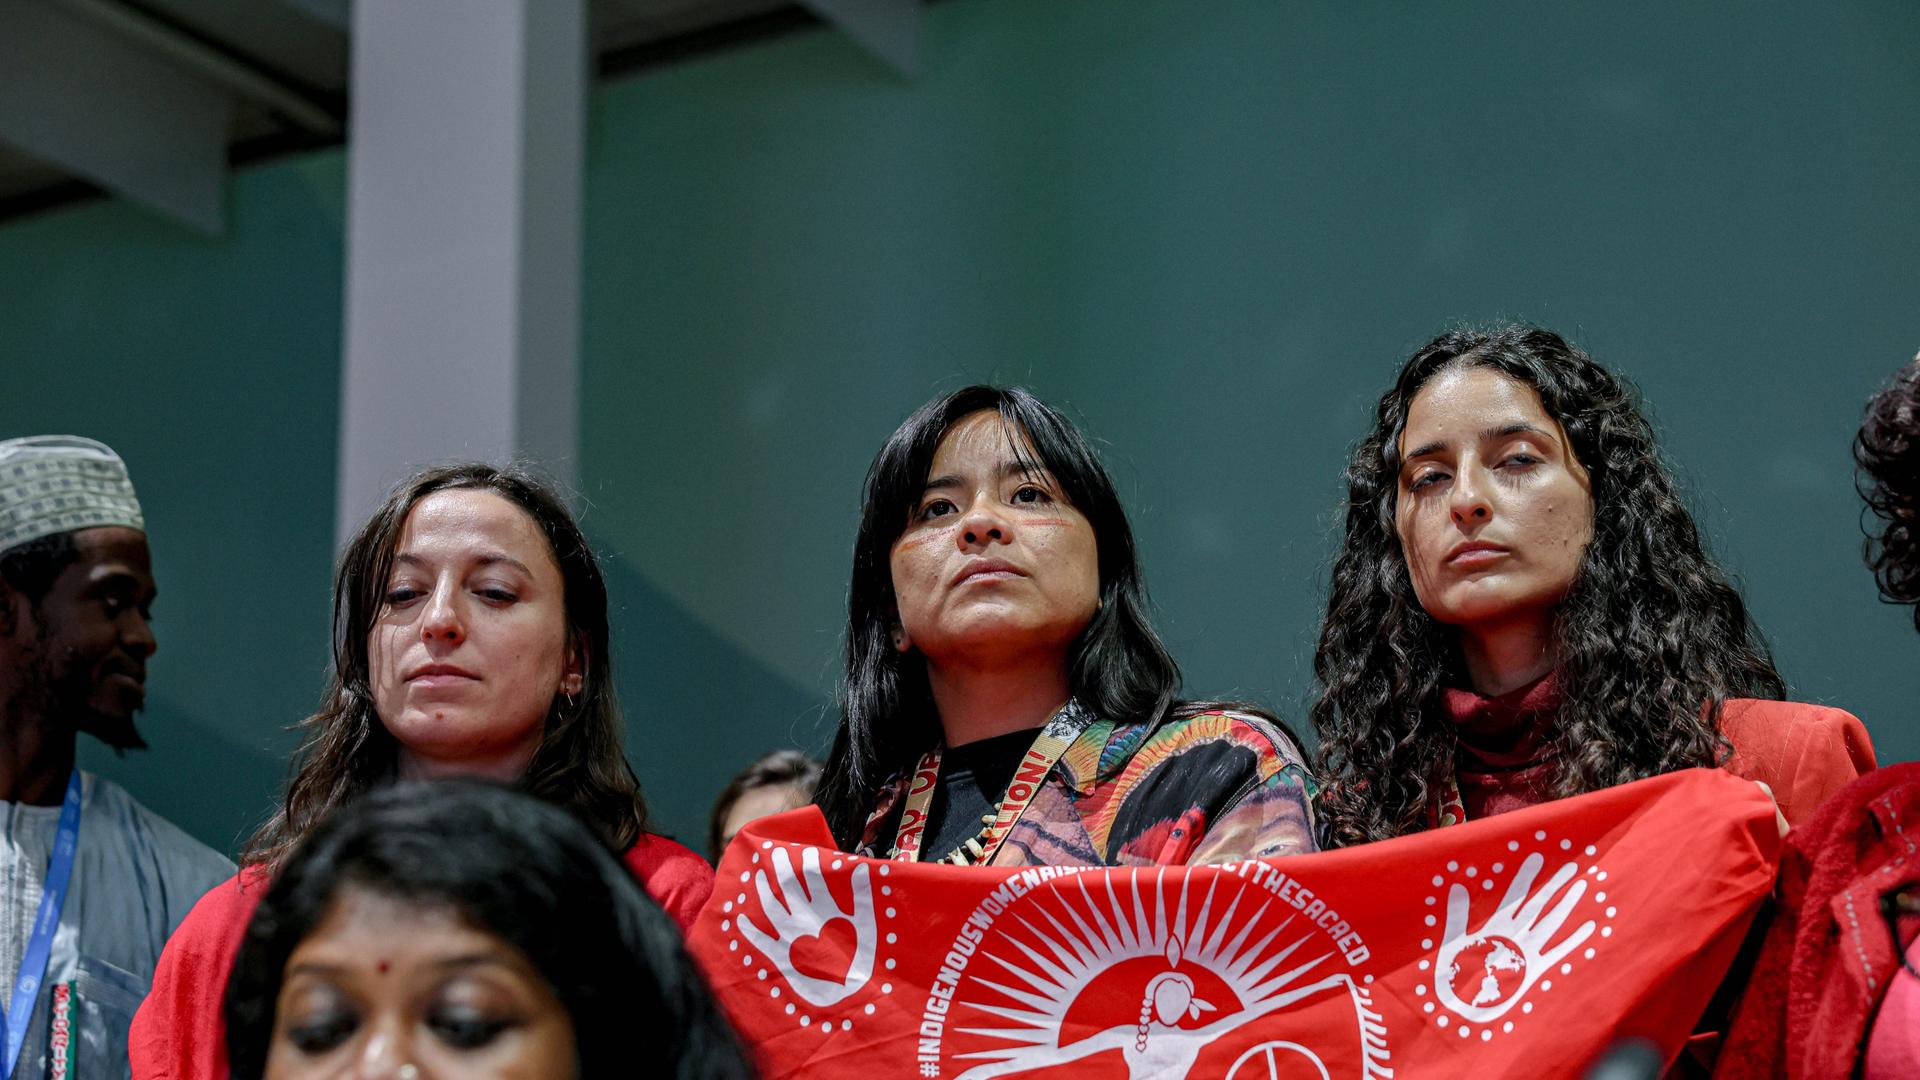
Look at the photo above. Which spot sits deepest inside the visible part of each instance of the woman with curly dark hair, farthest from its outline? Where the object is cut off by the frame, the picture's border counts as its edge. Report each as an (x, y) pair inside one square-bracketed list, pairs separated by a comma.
[(1523, 610), (1007, 700), (1836, 992)]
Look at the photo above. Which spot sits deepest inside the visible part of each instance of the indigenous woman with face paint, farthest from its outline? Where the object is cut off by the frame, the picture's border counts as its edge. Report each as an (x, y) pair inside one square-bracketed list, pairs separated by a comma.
[(470, 639), (1523, 609), (1006, 700)]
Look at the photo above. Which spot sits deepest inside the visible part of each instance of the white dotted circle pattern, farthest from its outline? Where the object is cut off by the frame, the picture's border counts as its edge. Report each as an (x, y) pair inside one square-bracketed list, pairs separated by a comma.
[(881, 916), (1592, 907)]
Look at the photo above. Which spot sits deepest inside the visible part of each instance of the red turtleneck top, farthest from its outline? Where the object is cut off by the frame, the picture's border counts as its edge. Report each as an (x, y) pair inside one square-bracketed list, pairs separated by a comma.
[(1507, 761)]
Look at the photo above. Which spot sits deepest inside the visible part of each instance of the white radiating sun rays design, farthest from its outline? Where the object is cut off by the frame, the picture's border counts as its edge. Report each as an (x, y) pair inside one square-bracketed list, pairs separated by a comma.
[(1069, 936)]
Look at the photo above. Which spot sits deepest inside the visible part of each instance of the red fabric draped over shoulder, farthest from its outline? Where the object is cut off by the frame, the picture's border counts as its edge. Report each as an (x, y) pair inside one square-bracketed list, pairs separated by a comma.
[(180, 1031), (1805, 753), (1828, 957)]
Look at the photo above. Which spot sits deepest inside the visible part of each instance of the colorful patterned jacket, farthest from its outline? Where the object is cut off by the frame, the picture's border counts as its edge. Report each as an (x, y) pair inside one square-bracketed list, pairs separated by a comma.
[(1214, 787)]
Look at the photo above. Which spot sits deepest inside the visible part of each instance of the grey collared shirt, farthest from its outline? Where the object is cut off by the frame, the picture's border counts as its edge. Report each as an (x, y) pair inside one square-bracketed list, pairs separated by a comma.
[(135, 876)]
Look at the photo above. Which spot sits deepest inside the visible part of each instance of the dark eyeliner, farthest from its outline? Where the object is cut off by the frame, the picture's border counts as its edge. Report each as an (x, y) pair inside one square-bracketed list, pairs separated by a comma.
[(467, 1030), (322, 1033)]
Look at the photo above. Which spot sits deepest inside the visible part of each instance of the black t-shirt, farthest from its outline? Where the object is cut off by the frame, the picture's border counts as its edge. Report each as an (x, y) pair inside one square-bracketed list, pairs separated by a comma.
[(973, 778)]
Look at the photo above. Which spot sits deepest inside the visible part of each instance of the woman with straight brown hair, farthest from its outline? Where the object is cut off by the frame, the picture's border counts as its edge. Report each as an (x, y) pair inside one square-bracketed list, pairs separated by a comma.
[(470, 638)]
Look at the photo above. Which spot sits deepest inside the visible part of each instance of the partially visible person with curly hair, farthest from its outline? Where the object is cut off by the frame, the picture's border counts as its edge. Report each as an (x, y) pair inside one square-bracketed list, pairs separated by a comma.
[(1836, 992), (1523, 609), (1887, 451)]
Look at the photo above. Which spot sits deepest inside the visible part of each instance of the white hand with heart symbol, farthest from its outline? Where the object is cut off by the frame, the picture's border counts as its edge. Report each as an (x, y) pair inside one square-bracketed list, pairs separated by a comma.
[(804, 909)]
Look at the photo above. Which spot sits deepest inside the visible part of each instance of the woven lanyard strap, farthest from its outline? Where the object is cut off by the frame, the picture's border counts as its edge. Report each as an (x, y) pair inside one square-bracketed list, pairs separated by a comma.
[(53, 895), (1039, 760), (1448, 808)]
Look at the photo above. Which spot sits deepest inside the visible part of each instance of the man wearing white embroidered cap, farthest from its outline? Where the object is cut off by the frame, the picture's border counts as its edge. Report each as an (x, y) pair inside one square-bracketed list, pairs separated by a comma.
[(91, 882)]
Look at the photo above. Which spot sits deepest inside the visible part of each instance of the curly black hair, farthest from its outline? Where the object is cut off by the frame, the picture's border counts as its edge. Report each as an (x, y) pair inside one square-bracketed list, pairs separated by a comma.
[(1651, 639), (1887, 451)]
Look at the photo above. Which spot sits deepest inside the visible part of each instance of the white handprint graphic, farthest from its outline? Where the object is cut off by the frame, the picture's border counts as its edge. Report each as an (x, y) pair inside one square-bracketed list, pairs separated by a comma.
[(803, 909), (1509, 952)]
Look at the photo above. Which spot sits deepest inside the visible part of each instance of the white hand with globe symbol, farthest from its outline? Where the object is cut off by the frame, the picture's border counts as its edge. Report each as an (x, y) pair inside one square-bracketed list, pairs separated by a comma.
[(1479, 975)]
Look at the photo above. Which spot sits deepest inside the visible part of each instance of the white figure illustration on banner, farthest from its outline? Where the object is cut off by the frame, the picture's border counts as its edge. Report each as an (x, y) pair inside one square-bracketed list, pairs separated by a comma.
[(1481, 974), (1051, 971), (804, 911)]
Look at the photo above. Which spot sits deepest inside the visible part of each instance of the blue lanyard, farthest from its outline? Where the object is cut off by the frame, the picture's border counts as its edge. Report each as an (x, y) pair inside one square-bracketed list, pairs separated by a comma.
[(53, 894)]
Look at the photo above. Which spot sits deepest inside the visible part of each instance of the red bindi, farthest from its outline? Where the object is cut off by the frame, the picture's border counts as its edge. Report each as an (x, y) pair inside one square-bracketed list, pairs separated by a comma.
[(382, 967)]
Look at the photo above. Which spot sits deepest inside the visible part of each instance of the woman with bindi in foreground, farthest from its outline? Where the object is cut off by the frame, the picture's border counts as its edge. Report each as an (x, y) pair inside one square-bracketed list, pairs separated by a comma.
[(1007, 701), (458, 929), (470, 639)]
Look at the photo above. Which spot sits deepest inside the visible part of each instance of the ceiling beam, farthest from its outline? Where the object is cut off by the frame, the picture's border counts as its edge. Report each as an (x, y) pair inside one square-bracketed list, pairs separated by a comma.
[(888, 29), (244, 78), (99, 106)]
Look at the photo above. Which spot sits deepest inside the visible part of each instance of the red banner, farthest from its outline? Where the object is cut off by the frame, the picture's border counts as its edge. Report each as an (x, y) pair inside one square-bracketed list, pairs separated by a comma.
[(1522, 945)]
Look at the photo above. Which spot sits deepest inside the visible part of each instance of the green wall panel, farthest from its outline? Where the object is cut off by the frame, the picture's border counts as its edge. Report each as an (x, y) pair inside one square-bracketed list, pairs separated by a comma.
[(1211, 231), (212, 366)]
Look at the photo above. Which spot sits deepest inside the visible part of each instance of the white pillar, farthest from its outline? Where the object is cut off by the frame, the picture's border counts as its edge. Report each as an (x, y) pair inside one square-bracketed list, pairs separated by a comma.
[(463, 240)]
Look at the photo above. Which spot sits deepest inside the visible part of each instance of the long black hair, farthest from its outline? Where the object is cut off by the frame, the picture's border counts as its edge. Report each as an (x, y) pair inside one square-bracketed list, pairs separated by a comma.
[(1117, 667), (1650, 640), (521, 869), (347, 750), (1887, 451)]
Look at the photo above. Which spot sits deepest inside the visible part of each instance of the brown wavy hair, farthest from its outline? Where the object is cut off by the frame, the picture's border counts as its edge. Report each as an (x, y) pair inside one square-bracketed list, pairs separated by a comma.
[(1651, 639), (1887, 451), (347, 750)]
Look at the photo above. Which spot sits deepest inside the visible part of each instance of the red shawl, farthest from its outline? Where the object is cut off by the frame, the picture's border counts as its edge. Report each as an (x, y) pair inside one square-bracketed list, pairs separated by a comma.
[(1828, 955)]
